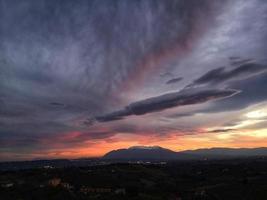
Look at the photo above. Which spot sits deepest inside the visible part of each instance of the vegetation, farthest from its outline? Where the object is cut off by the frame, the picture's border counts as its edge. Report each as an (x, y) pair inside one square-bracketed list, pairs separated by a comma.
[(187, 180)]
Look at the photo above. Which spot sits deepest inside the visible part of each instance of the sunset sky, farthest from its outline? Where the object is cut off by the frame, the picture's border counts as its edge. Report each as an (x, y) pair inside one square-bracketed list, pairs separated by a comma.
[(81, 78)]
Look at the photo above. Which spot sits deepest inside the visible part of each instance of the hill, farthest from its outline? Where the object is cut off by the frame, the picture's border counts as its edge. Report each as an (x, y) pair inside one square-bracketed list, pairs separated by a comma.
[(159, 153)]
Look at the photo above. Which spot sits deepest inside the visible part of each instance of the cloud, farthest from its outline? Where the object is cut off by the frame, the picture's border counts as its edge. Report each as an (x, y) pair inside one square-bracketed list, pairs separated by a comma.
[(186, 22), (174, 80), (233, 58), (262, 124), (240, 61), (166, 74), (253, 92), (184, 114), (220, 75), (220, 130), (74, 65), (169, 100), (251, 86), (57, 104), (86, 57)]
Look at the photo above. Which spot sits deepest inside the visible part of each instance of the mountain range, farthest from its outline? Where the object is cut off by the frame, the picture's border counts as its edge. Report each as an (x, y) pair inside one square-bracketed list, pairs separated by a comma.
[(159, 153)]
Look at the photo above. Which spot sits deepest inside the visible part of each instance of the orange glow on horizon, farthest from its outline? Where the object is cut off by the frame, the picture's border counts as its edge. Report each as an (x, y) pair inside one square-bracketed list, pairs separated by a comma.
[(179, 143), (59, 147)]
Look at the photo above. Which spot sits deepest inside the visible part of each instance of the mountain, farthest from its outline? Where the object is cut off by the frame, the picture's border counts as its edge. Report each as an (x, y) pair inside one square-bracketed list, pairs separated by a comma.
[(142, 152), (159, 153), (228, 152)]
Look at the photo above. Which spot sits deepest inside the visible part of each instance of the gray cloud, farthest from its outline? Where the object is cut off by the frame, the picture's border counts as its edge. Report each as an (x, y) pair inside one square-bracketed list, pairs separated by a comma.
[(62, 61), (260, 125), (184, 114), (174, 80), (57, 104), (169, 100), (219, 75), (166, 74), (253, 92), (220, 130), (239, 62), (63, 51)]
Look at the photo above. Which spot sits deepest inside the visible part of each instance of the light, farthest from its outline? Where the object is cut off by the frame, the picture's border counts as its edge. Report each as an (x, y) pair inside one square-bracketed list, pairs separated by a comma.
[(258, 114)]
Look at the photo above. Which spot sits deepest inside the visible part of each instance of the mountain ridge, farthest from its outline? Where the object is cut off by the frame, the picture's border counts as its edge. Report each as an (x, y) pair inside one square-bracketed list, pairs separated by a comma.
[(160, 153)]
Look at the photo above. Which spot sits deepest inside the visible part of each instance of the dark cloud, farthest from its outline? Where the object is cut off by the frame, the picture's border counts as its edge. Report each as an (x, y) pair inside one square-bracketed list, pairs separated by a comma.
[(240, 61), (57, 104), (185, 114), (170, 100), (64, 50), (221, 130), (82, 54), (117, 115), (253, 92), (174, 80), (62, 61), (221, 74)]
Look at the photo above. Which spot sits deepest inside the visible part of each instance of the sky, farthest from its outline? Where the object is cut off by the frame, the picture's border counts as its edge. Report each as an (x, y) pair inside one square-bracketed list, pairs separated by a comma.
[(81, 78)]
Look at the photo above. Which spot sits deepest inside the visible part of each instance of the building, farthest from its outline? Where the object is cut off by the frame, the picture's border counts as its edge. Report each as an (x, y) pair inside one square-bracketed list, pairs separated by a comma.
[(54, 182)]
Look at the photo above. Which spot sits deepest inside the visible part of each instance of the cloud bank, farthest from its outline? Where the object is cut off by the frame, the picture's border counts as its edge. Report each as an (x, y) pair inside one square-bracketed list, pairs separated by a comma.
[(63, 61)]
